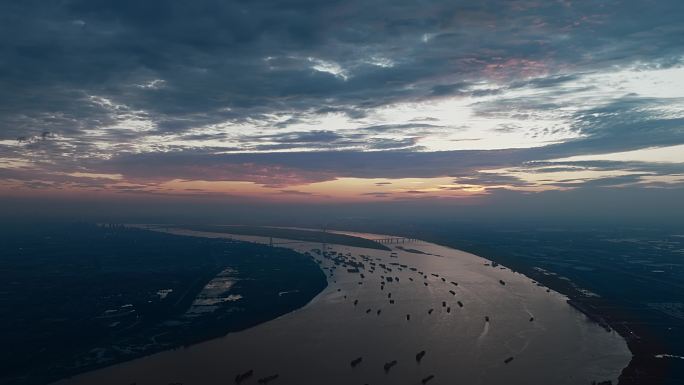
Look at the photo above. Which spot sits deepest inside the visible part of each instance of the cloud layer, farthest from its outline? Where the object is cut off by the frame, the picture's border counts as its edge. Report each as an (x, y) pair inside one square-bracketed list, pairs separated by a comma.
[(136, 97)]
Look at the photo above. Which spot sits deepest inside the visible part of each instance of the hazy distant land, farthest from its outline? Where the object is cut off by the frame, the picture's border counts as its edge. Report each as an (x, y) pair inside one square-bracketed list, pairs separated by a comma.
[(306, 235)]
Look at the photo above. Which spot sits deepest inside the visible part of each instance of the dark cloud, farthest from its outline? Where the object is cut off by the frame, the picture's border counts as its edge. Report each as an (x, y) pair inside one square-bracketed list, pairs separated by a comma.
[(611, 181), (281, 170), (546, 82), (378, 194), (104, 76), (294, 192), (306, 167), (631, 122), (233, 60), (627, 123), (491, 179), (450, 89), (326, 140), (301, 137)]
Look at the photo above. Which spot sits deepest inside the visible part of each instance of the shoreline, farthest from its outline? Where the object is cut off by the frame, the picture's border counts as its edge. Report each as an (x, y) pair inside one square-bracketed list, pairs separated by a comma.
[(473, 297), (208, 328), (644, 354)]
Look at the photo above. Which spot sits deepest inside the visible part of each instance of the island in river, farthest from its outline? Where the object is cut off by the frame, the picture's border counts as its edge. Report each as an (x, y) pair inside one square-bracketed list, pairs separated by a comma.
[(417, 314)]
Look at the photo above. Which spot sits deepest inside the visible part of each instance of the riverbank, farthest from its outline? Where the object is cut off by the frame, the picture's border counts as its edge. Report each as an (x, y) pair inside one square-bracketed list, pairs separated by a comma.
[(386, 306), (606, 272), (82, 296), (287, 234)]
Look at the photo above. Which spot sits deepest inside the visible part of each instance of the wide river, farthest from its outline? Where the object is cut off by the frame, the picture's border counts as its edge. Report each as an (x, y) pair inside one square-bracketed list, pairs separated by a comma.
[(550, 342)]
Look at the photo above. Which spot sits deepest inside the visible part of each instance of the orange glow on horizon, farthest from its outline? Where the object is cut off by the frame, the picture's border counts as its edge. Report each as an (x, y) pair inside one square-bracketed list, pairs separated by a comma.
[(337, 190)]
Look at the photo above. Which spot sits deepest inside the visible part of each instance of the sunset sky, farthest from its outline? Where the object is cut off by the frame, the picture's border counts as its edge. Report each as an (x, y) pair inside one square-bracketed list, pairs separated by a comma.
[(339, 101)]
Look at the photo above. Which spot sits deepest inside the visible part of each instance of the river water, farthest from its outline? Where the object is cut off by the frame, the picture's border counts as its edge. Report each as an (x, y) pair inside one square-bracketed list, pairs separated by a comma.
[(550, 342)]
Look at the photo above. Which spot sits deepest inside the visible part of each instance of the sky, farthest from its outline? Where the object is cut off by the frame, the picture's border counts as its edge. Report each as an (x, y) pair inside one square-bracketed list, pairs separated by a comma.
[(326, 102)]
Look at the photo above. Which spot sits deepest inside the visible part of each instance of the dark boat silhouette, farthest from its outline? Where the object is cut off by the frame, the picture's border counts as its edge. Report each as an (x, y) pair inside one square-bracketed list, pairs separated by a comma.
[(460, 304), (531, 319), (378, 312), (356, 301), (408, 317), (443, 303), (454, 283), (420, 355), (430, 311), (502, 282), (452, 292), (368, 311), (427, 379), (389, 365), (507, 360), (244, 376), (486, 318), (448, 309), (356, 361)]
